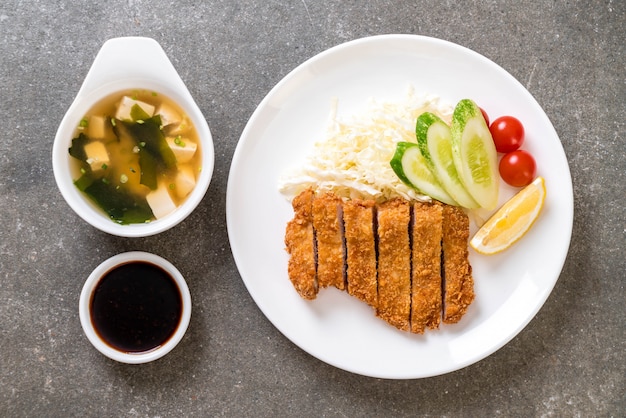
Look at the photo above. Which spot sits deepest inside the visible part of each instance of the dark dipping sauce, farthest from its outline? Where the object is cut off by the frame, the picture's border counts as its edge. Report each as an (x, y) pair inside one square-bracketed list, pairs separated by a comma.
[(136, 307)]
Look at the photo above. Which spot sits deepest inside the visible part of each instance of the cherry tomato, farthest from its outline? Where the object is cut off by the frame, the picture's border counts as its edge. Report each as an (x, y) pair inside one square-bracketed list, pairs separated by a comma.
[(518, 168), (507, 133), (485, 115)]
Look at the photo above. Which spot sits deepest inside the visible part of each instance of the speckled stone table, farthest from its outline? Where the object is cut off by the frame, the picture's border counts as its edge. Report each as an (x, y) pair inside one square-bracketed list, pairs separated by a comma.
[(569, 361)]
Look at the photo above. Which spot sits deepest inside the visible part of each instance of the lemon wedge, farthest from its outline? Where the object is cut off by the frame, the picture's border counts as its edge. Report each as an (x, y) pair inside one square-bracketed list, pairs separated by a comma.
[(512, 220)]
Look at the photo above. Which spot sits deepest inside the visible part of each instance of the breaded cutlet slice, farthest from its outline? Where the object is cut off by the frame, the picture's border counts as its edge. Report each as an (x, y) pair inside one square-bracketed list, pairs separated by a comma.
[(394, 263), (458, 287), (328, 225), (360, 236), (300, 242), (426, 233)]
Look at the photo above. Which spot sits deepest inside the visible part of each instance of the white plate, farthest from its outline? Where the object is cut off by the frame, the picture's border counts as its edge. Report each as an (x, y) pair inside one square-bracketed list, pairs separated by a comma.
[(336, 328)]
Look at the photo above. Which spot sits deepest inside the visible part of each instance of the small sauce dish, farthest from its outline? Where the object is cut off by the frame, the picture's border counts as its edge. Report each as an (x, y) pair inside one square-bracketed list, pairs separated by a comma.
[(125, 64), (135, 307)]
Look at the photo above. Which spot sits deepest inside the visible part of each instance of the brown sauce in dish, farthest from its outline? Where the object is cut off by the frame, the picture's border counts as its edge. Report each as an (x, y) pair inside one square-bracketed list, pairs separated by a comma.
[(136, 307)]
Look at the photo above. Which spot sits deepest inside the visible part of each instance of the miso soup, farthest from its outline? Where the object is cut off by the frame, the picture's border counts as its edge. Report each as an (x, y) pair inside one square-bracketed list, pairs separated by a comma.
[(137, 156)]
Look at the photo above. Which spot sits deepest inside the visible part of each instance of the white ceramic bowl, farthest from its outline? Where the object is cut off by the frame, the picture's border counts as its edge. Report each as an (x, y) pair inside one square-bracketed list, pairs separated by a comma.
[(90, 286), (122, 64)]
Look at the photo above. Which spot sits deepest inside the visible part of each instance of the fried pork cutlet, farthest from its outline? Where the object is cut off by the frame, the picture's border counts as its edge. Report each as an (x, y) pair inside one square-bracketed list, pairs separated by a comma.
[(458, 286), (328, 225), (300, 242), (426, 267), (360, 236), (394, 263), (408, 260)]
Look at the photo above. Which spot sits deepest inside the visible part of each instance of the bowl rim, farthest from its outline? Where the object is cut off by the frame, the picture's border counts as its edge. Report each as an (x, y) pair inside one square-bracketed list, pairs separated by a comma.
[(90, 285), (82, 205)]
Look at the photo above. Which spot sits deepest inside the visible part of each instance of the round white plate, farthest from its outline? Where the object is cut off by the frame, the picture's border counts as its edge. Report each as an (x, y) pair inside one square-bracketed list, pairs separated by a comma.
[(336, 328)]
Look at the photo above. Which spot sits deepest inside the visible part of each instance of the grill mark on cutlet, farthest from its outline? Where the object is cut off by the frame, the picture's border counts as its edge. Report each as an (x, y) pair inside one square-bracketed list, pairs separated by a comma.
[(458, 284), (394, 263), (426, 285), (358, 218), (330, 247), (300, 243)]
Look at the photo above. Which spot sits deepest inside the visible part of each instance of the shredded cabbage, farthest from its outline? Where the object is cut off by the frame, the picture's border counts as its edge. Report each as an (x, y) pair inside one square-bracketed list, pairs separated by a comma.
[(352, 160)]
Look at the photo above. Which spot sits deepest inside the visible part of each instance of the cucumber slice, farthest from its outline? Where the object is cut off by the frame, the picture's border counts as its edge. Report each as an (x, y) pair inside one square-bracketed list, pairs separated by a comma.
[(474, 154), (410, 167), (435, 143)]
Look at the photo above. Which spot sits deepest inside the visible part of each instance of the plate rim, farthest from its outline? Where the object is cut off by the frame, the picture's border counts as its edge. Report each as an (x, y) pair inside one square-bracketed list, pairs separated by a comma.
[(245, 138)]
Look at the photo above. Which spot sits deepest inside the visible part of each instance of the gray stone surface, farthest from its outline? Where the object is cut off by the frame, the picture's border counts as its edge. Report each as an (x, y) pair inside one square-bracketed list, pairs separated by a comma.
[(569, 361)]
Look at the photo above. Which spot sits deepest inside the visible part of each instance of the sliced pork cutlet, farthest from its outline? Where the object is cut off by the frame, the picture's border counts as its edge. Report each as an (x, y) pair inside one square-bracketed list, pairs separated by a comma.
[(360, 236), (328, 225), (458, 288), (300, 242), (426, 237), (394, 263)]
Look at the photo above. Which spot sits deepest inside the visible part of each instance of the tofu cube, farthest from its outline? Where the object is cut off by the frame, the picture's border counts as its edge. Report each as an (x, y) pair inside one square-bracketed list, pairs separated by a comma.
[(169, 115), (160, 201), (183, 127), (183, 148), (96, 127), (127, 103), (97, 155), (185, 181)]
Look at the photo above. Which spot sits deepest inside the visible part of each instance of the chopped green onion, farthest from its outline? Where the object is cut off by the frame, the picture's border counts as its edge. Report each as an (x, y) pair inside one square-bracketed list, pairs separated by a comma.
[(113, 121), (82, 170), (84, 123), (178, 141), (104, 166), (172, 186), (140, 121), (123, 178), (105, 180), (142, 144)]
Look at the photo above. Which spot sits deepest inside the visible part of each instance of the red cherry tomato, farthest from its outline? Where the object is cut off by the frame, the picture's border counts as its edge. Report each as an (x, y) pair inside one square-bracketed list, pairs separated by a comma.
[(485, 115), (518, 168), (507, 133)]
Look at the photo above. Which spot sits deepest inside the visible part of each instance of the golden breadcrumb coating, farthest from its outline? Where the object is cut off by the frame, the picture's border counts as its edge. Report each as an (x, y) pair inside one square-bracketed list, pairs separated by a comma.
[(358, 218), (327, 223), (426, 267), (458, 282), (394, 263), (300, 242), (408, 260)]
